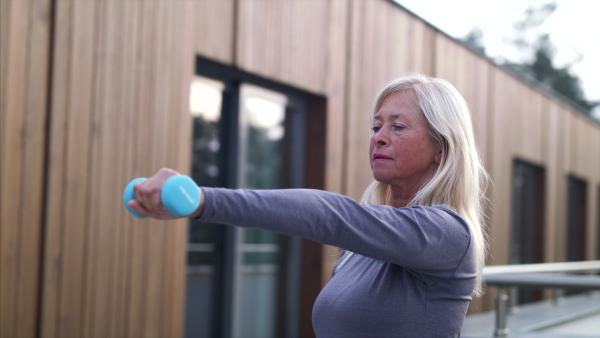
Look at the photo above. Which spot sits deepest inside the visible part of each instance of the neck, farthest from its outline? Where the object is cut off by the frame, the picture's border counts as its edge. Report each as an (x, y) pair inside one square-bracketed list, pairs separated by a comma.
[(400, 198), (399, 202), (402, 193)]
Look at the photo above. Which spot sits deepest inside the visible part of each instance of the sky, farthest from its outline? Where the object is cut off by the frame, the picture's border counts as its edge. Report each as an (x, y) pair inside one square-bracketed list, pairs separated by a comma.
[(574, 29)]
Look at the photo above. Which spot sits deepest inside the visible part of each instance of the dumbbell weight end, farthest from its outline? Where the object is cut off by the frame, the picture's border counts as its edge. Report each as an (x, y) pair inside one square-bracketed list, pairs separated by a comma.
[(180, 195), (129, 195)]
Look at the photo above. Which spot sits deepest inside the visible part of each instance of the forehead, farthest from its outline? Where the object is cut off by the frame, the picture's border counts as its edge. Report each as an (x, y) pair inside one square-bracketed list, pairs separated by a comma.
[(400, 105)]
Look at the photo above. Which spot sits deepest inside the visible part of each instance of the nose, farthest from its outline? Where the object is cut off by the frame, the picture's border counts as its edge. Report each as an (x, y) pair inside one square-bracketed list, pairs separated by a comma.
[(380, 138)]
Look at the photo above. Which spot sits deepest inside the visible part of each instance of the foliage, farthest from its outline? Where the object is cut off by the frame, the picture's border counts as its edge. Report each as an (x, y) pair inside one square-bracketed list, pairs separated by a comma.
[(474, 40), (537, 56)]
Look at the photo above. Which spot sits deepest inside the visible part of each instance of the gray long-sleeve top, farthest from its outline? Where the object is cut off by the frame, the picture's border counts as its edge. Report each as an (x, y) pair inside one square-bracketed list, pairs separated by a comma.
[(412, 273)]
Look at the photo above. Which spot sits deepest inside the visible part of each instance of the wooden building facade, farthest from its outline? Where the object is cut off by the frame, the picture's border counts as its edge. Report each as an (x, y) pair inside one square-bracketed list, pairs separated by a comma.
[(95, 93)]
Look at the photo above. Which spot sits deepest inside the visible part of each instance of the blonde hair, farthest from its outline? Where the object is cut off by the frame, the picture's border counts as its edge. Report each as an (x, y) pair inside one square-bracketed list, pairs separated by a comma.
[(460, 179)]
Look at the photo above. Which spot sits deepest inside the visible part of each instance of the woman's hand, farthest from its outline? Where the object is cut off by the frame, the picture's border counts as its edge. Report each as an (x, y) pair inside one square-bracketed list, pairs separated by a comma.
[(148, 201)]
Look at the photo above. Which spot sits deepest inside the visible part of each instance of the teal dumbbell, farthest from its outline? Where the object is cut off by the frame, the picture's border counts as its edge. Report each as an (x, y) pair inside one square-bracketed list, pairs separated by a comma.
[(180, 195)]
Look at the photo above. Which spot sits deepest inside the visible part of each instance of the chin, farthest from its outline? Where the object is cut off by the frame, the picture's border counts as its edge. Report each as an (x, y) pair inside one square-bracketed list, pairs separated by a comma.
[(381, 178)]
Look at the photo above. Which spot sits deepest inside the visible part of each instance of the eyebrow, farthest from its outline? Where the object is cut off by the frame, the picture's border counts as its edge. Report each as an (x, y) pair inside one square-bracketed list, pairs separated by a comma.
[(392, 117)]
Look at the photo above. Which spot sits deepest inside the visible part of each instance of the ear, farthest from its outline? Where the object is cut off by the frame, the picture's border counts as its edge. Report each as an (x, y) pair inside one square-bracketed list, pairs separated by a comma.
[(438, 156)]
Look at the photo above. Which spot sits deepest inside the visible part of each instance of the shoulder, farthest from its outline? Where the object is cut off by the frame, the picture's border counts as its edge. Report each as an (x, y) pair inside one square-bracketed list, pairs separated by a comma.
[(441, 219)]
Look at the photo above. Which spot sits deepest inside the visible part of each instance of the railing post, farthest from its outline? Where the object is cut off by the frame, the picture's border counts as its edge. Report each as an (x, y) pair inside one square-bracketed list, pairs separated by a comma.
[(513, 301), (559, 296), (501, 312)]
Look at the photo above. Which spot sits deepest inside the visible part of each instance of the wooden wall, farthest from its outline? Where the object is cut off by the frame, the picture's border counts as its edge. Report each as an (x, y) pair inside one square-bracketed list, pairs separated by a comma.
[(120, 76), (24, 41), (94, 93)]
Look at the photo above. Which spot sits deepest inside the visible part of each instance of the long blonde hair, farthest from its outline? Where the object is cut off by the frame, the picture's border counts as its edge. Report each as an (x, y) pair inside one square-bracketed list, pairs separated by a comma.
[(460, 179)]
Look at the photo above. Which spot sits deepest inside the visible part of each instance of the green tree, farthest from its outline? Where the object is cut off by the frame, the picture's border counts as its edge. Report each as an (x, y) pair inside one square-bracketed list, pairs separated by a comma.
[(537, 56), (474, 40), (558, 78)]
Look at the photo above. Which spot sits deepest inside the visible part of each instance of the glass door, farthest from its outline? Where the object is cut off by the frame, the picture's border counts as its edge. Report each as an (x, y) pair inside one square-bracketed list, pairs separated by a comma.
[(527, 232), (264, 149), (244, 282), (205, 240)]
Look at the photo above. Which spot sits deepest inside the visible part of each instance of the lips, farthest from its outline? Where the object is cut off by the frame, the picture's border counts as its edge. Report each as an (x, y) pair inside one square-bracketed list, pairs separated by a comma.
[(380, 157)]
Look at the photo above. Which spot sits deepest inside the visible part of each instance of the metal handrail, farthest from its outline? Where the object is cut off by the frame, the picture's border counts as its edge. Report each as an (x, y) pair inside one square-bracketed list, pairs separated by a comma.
[(585, 266), (541, 280), (536, 276)]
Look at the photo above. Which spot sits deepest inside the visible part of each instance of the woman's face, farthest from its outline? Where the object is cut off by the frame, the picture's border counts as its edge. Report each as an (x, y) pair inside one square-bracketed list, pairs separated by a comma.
[(402, 152)]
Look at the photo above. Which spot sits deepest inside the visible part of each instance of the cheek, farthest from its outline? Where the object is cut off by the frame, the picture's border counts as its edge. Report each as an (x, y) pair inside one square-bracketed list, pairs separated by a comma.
[(414, 153), (406, 158)]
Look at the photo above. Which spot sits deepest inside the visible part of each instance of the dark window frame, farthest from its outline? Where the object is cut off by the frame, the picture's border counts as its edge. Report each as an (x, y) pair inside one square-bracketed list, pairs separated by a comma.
[(576, 218), (527, 235), (307, 173)]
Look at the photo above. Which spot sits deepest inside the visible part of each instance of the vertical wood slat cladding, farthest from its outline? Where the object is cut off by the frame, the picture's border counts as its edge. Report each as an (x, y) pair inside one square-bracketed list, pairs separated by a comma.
[(123, 232), (7, 233), (502, 96), (471, 80), (76, 171), (214, 25), (118, 104), (336, 84), (593, 166), (108, 137), (582, 142), (52, 264), (285, 41), (11, 142), (24, 39), (551, 149), (577, 135)]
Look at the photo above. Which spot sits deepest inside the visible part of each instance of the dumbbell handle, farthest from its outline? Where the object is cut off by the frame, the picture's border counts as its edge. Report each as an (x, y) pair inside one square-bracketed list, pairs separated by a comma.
[(180, 195)]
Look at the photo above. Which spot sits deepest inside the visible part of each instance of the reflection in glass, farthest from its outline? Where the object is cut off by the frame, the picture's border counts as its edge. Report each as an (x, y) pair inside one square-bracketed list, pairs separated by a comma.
[(262, 156), (205, 108), (262, 127)]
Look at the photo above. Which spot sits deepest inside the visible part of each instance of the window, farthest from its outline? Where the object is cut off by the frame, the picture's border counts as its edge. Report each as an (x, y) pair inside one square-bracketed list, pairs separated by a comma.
[(204, 260), (576, 218), (576, 221), (527, 236), (248, 133), (527, 231)]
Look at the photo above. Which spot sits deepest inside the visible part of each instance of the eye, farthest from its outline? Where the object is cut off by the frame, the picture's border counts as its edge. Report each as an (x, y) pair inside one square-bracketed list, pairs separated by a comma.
[(398, 127), (375, 128)]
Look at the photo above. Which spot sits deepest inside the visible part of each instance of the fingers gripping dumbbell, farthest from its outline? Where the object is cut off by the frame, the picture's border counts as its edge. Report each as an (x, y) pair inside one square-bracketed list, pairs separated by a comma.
[(180, 195)]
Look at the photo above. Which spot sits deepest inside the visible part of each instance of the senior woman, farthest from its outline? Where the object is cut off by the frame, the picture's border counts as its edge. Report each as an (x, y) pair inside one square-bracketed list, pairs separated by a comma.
[(413, 249)]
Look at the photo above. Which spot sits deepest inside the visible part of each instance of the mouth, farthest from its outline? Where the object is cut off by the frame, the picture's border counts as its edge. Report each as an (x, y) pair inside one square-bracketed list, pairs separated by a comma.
[(380, 157)]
